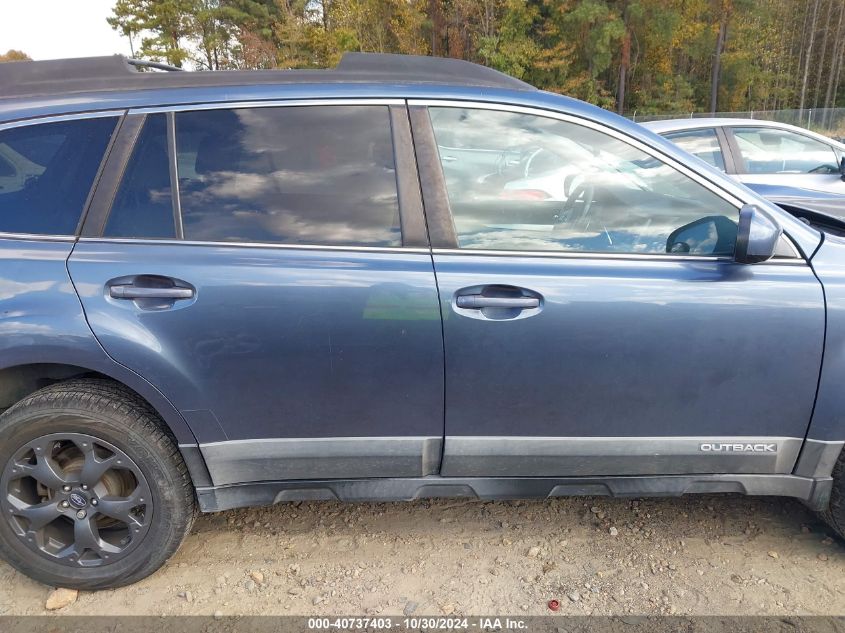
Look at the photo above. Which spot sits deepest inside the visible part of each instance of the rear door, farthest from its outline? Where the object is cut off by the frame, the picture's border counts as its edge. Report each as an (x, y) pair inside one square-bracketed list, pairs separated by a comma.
[(594, 320), (267, 269)]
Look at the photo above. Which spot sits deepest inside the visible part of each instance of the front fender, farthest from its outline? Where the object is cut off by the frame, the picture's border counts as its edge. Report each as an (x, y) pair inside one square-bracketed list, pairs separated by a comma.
[(828, 421)]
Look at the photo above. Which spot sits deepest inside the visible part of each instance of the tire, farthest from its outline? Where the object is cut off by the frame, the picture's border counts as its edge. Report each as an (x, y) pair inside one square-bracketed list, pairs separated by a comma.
[(131, 516), (834, 516)]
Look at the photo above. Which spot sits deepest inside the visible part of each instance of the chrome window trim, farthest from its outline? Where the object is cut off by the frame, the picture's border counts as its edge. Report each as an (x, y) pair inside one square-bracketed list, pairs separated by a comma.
[(32, 237), (298, 247), (599, 127), (657, 257), (275, 103), (58, 118)]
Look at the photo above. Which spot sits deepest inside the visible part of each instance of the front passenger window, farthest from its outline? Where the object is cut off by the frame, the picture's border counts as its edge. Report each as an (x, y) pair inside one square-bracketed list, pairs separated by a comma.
[(772, 151), (529, 183)]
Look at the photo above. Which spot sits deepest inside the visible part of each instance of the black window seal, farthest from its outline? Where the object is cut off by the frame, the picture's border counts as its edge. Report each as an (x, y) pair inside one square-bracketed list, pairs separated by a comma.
[(730, 158), (739, 162), (174, 176), (411, 214), (123, 144), (96, 183), (438, 213)]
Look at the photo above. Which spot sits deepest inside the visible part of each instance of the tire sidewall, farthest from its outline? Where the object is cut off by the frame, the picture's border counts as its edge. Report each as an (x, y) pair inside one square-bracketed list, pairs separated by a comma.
[(22, 424)]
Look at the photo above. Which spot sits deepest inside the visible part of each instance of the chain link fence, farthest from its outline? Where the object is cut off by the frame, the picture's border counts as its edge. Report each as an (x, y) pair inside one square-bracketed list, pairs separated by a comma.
[(829, 121)]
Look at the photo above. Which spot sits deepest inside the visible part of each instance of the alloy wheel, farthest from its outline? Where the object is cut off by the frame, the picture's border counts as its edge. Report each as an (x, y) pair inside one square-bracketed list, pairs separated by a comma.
[(75, 499)]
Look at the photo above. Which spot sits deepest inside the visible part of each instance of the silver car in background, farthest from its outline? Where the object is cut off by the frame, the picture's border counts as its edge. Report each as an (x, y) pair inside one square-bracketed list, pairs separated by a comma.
[(782, 162)]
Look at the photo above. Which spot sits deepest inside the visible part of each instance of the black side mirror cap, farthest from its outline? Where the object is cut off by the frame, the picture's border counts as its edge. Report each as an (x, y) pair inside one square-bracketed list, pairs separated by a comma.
[(757, 236), (842, 168)]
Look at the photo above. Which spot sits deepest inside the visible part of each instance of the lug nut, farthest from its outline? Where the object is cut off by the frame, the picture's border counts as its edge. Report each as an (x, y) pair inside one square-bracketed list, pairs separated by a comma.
[(65, 504), (66, 488), (80, 514), (94, 502), (84, 487)]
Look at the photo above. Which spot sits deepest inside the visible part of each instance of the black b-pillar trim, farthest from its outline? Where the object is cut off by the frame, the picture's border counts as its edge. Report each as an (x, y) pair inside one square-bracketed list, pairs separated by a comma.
[(438, 215), (101, 202)]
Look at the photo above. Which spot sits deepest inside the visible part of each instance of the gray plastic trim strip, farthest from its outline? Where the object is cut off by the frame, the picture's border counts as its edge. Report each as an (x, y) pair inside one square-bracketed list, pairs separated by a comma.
[(818, 458), (238, 461), (467, 456)]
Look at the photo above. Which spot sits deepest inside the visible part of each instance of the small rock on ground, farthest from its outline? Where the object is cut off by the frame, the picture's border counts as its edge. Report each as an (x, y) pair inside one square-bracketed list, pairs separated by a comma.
[(60, 598)]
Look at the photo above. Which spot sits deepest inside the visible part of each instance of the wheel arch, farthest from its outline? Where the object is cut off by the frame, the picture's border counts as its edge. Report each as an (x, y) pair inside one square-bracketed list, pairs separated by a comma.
[(19, 381)]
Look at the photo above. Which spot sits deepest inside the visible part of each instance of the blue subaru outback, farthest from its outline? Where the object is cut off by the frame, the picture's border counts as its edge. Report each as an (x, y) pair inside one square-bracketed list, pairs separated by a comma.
[(400, 278)]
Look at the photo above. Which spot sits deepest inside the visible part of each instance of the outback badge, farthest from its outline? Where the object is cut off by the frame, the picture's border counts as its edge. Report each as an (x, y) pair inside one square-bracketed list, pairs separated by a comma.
[(736, 447)]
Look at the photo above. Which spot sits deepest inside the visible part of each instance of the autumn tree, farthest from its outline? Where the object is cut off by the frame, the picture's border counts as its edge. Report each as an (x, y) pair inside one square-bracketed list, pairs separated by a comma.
[(643, 56), (14, 56)]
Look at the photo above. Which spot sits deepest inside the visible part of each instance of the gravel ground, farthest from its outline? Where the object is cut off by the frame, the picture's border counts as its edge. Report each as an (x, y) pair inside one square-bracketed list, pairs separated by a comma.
[(697, 555)]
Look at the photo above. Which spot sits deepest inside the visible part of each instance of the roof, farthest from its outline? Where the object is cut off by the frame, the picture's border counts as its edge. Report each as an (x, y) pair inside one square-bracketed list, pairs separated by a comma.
[(676, 125), (670, 125), (114, 73)]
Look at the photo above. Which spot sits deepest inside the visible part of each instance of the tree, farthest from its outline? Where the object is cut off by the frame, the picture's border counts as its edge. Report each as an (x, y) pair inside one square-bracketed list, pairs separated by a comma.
[(14, 56), (629, 55), (724, 12), (808, 54)]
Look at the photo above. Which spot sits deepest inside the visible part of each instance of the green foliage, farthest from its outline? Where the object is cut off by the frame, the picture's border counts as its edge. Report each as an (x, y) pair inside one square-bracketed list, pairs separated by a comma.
[(659, 54)]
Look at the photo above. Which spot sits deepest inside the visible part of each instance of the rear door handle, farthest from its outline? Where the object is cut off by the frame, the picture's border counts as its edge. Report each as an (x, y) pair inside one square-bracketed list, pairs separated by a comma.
[(140, 292), (477, 302)]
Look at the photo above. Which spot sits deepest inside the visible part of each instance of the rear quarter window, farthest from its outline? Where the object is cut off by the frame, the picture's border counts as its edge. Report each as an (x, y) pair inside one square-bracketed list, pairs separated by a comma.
[(47, 172)]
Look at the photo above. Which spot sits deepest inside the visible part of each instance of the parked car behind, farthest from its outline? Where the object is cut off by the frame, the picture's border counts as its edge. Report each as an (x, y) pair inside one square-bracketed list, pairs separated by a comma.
[(774, 159), (400, 278)]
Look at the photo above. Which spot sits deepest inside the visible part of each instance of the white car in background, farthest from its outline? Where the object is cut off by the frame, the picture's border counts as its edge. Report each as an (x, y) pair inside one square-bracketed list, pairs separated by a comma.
[(791, 166), (760, 152)]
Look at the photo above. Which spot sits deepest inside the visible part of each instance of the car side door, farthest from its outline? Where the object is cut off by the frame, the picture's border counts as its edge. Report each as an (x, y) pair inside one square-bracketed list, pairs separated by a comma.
[(773, 156), (594, 320), (266, 267)]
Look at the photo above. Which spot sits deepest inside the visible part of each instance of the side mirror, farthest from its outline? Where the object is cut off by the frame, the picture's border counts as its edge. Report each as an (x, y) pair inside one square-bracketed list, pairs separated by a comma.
[(842, 168), (710, 235), (756, 237)]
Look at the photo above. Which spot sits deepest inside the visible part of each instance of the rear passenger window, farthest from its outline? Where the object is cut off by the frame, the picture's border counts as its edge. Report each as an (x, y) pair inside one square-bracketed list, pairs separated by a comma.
[(143, 206), (288, 175), (702, 143), (46, 173)]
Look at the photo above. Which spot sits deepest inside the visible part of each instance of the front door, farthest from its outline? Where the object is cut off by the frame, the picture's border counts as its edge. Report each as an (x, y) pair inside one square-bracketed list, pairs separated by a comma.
[(594, 321), (270, 284), (771, 156)]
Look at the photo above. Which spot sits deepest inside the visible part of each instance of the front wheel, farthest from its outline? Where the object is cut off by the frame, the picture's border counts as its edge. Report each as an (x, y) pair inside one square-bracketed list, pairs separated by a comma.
[(93, 491)]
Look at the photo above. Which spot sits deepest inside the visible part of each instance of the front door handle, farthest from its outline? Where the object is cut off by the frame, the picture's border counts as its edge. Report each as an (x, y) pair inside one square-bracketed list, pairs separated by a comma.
[(141, 292), (478, 302)]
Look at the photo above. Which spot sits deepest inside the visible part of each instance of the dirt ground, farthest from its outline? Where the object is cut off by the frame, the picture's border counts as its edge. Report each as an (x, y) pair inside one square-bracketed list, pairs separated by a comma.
[(696, 555)]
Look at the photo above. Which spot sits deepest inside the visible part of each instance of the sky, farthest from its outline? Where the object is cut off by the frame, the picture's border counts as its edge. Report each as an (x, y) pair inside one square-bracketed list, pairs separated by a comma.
[(50, 29)]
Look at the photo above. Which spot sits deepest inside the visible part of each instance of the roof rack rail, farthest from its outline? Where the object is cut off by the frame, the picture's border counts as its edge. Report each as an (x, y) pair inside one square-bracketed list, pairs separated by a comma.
[(143, 63), (114, 73)]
